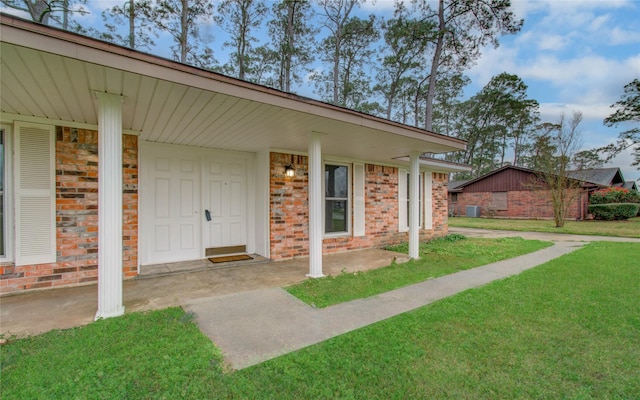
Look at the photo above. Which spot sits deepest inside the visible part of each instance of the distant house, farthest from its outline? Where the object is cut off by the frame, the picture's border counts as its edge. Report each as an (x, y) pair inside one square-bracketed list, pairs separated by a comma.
[(631, 185), (511, 192), (605, 177)]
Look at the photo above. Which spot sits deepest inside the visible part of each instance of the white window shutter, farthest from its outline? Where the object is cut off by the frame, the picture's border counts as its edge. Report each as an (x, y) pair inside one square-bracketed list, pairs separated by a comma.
[(402, 201), (428, 200), (35, 188), (358, 200)]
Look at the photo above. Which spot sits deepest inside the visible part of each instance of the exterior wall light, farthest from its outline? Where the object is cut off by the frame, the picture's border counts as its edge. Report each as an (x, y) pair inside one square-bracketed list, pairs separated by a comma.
[(289, 171)]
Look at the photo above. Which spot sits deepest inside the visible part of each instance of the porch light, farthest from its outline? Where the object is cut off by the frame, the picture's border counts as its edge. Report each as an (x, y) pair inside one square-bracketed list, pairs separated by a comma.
[(289, 171)]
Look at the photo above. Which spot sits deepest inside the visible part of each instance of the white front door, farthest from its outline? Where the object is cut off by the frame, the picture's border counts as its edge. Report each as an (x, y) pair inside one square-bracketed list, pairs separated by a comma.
[(225, 198), (170, 204)]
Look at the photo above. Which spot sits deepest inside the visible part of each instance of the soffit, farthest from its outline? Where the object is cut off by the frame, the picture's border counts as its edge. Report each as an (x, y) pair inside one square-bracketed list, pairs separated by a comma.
[(186, 106)]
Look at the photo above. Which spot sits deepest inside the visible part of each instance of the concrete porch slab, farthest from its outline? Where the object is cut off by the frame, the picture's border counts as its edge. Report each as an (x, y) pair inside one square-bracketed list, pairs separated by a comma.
[(36, 312)]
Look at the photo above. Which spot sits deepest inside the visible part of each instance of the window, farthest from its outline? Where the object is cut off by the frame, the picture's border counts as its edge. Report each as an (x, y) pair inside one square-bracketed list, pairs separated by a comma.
[(336, 199), (454, 197)]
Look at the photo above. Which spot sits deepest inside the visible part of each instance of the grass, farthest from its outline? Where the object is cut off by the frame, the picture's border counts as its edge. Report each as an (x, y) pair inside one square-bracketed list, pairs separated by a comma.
[(437, 258), (567, 329), (134, 356), (629, 228)]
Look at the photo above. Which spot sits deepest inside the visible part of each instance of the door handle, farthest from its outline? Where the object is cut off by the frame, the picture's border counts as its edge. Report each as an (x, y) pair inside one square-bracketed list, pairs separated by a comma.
[(207, 215)]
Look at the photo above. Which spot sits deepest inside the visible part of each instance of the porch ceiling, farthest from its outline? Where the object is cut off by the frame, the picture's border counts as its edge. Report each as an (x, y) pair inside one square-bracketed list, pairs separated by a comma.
[(53, 74)]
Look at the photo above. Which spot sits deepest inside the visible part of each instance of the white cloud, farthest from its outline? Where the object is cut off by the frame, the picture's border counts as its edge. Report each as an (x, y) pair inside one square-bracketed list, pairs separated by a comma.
[(553, 42), (623, 161), (13, 11), (378, 5), (522, 9), (101, 5), (599, 22), (573, 72), (583, 24), (618, 36), (589, 80), (493, 62), (590, 112)]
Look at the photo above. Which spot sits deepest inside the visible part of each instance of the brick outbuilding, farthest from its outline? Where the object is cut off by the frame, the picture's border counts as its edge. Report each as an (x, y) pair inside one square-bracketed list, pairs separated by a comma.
[(516, 192)]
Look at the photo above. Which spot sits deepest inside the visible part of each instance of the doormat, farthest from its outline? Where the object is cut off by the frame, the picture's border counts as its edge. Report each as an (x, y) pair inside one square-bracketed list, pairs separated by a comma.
[(239, 257)]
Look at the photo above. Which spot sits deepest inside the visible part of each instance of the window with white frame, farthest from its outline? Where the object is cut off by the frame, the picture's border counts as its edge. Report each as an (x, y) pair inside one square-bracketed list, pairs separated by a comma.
[(336, 199)]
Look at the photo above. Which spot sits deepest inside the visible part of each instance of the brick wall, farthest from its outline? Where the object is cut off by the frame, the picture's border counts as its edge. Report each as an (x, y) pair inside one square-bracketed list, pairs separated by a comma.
[(526, 204), (289, 204), (77, 216), (440, 213)]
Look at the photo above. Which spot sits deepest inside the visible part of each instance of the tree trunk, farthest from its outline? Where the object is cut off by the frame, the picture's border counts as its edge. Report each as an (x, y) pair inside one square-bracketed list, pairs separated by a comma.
[(184, 30), (431, 90), (336, 68), (391, 98), (242, 45), (65, 15), (416, 102), (291, 9), (39, 11), (132, 24)]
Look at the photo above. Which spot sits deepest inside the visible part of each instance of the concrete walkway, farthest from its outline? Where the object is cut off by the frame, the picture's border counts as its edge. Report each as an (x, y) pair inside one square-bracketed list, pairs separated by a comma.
[(256, 326), (554, 237)]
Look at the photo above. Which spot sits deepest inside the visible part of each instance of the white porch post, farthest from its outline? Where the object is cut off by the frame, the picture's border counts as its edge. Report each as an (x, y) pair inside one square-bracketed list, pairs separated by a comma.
[(414, 206), (315, 206), (109, 206)]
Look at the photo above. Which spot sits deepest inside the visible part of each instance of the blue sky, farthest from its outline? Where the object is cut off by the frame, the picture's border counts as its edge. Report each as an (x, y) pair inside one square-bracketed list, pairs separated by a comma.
[(575, 55)]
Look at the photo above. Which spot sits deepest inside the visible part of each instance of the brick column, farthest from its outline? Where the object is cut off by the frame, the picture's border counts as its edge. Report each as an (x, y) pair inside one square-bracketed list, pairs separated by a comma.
[(109, 206), (428, 200)]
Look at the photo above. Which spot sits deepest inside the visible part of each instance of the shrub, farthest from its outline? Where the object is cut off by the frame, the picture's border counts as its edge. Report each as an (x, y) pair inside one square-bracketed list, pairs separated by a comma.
[(632, 197), (614, 211), (609, 195), (452, 237)]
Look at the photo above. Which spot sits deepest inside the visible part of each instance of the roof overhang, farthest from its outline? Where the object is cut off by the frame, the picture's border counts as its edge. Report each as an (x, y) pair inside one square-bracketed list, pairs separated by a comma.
[(433, 164), (51, 74)]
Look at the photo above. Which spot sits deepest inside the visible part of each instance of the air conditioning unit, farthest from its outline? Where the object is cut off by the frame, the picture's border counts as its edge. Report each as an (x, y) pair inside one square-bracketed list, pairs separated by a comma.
[(473, 211)]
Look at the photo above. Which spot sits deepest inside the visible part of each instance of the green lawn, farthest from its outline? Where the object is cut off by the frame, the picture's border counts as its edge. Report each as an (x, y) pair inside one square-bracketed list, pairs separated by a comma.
[(437, 258), (629, 228), (567, 329)]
